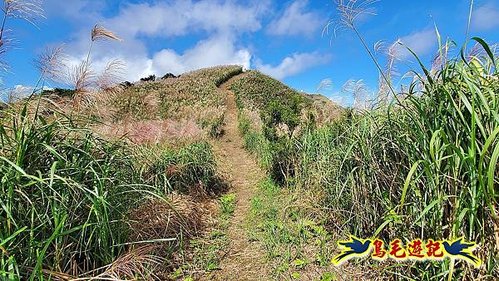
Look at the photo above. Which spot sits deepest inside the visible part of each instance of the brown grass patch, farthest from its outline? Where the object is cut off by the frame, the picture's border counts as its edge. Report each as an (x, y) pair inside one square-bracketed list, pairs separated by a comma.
[(177, 216), (152, 131)]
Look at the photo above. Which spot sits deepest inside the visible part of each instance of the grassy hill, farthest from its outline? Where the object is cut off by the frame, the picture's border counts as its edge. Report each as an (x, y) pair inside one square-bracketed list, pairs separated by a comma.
[(125, 183), (80, 177), (76, 178)]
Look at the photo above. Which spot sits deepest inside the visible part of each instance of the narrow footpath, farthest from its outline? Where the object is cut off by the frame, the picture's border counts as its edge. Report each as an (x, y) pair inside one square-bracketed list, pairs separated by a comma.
[(245, 259)]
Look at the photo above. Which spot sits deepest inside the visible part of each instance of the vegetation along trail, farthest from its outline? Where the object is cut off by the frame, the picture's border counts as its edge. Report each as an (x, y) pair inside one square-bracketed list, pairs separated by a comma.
[(244, 258)]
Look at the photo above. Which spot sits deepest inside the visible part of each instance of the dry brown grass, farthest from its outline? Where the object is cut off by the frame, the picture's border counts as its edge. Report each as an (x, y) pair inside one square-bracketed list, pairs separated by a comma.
[(323, 109), (182, 217), (101, 33), (27, 10), (178, 216), (51, 63), (111, 75), (138, 263), (152, 131)]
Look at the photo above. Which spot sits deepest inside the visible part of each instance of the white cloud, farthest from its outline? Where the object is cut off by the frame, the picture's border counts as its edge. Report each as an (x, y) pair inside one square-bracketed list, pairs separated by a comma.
[(176, 18), (421, 43), (293, 65), (296, 21), (18, 92), (486, 17), (213, 51), (218, 24), (220, 21)]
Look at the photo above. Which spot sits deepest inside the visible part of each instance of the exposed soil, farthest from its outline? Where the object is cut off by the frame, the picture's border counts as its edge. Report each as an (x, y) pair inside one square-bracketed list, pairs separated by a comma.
[(244, 259)]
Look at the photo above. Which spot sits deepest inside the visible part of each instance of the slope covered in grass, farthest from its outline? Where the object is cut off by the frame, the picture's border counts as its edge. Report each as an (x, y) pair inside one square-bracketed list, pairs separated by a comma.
[(425, 167), (271, 114), (76, 202), (189, 106), (255, 91)]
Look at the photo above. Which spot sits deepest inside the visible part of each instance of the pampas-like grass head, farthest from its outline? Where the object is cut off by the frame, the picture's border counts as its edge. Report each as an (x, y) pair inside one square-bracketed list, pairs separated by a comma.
[(51, 63), (111, 75), (349, 12), (27, 10), (100, 33)]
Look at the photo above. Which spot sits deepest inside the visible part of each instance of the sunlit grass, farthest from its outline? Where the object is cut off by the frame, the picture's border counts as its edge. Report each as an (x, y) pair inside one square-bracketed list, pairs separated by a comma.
[(426, 168), (66, 194)]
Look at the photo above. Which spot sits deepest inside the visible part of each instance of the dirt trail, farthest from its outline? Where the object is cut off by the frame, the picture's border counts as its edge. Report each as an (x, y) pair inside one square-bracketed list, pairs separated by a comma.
[(245, 259)]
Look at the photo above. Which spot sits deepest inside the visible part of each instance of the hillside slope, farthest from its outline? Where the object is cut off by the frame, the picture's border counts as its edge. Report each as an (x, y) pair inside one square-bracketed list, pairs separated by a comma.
[(130, 164)]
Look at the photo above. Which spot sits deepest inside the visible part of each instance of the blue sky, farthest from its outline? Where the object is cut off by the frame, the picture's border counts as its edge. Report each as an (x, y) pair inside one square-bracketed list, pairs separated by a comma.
[(281, 38)]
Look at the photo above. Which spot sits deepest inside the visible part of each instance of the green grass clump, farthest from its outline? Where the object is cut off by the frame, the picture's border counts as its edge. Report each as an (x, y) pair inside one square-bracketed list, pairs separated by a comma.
[(215, 126), (65, 194), (426, 168), (181, 169), (228, 204), (254, 141)]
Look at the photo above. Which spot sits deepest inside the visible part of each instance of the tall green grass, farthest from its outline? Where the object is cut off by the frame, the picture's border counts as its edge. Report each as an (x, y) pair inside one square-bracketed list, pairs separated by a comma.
[(65, 194), (183, 168), (425, 166), (60, 198), (254, 141), (428, 170)]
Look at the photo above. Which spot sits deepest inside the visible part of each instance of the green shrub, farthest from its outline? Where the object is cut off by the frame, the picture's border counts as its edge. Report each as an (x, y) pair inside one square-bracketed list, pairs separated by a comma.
[(254, 141), (191, 166), (215, 126), (280, 109), (228, 204), (60, 92)]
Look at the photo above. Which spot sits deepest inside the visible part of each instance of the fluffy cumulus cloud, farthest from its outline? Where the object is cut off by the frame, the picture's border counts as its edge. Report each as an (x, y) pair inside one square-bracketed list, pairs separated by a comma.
[(486, 17), (217, 24), (296, 20), (175, 18), (293, 64), (213, 51), (421, 42)]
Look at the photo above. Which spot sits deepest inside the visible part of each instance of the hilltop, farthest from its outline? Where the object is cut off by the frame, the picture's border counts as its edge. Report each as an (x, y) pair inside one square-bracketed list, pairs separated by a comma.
[(191, 106)]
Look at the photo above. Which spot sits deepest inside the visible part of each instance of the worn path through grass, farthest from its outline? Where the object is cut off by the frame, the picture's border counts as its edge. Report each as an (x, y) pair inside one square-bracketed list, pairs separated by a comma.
[(244, 259)]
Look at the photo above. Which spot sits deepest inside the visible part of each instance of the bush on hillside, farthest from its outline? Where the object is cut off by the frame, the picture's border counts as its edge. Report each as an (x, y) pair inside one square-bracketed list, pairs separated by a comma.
[(148, 78), (168, 75)]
